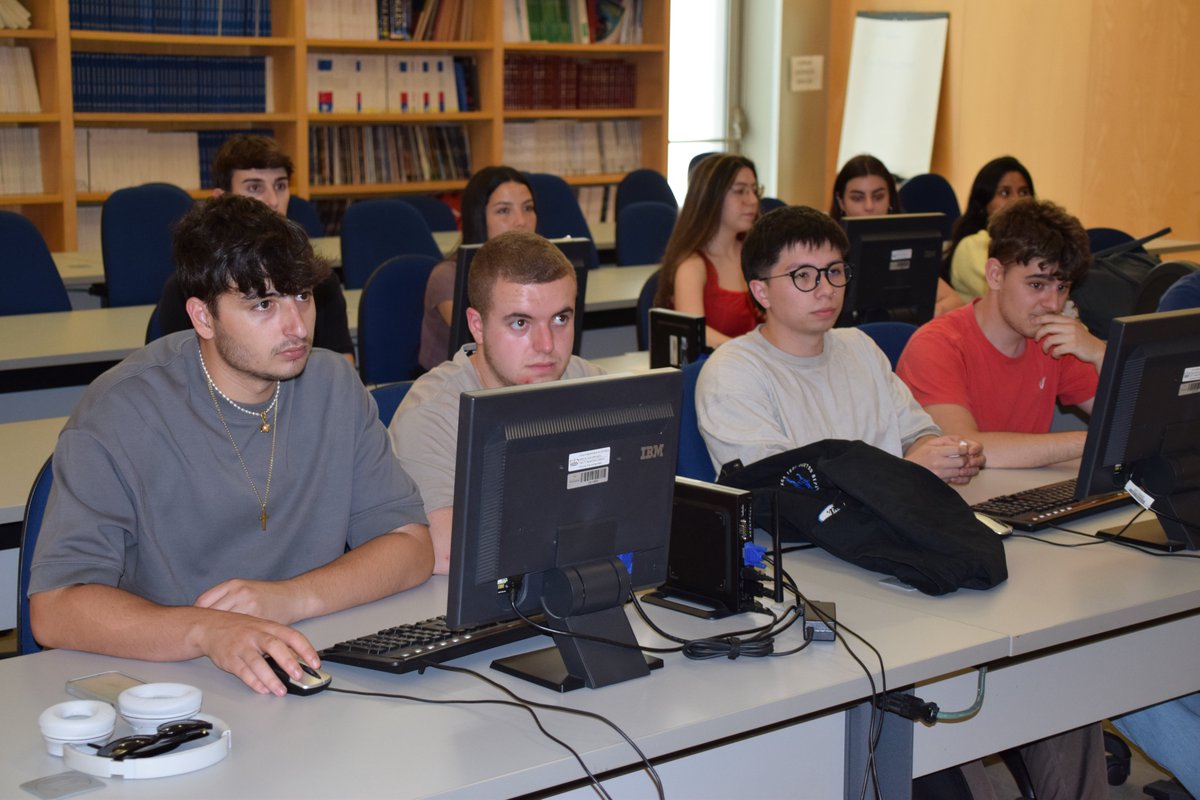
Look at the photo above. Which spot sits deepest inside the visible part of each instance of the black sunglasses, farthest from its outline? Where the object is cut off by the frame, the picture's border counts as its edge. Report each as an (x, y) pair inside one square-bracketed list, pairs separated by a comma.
[(169, 736)]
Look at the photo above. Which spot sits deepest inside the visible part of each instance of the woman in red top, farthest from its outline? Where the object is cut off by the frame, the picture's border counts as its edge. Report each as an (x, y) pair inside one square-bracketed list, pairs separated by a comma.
[(702, 265)]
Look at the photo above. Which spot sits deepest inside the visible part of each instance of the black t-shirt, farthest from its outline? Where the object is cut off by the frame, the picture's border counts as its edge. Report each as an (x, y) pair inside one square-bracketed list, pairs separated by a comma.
[(332, 330)]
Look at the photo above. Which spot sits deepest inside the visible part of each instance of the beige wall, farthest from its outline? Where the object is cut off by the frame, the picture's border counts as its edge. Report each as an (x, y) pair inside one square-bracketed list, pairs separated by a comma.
[(1099, 98)]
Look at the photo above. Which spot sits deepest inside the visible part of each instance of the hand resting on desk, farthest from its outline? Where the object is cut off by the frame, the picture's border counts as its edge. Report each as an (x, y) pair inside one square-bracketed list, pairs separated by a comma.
[(952, 458)]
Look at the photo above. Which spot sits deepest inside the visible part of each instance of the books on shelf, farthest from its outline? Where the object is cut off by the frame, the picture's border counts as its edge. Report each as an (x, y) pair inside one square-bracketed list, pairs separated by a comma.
[(13, 15), (137, 82), (394, 84), (365, 154), (191, 17), (574, 147), (408, 20), (573, 21), (21, 167), (538, 81), (87, 228), (18, 88), (107, 159)]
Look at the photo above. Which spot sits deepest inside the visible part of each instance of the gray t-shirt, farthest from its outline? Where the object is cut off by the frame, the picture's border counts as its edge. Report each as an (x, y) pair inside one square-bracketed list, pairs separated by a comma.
[(149, 495), (754, 400), (424, 431)]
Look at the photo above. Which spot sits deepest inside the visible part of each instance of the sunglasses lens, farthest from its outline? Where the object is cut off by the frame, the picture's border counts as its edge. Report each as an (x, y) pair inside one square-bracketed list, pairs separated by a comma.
[(184, 726), (165, 744), (119, 748)]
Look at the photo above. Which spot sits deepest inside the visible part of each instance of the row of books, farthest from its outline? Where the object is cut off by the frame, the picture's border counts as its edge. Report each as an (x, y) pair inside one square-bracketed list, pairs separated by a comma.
[(573, 21), (365, 154), (107, 159), (13, 15), (597, 204), (574, 147), (18, 89), (21, 167), (407, 20), (394, 84), (536, 81), (196, 17), (136, 82)]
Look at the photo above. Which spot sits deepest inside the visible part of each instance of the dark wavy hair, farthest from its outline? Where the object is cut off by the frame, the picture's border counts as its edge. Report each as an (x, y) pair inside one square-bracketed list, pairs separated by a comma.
[(247, 151), (700, 217), (1030, 231), (975, 217), (238, 242), (860, 167), (782, 228), (475, 199)]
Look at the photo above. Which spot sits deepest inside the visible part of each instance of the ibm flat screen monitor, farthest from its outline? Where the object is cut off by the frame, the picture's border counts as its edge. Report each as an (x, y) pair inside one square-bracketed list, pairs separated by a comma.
[(1145, 426), (562, 506), (576, 251), (895, 262)]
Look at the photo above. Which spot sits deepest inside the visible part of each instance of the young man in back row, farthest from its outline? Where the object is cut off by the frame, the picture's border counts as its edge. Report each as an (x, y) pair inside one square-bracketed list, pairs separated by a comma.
[(521, 291), (796, 380), (993, 370)]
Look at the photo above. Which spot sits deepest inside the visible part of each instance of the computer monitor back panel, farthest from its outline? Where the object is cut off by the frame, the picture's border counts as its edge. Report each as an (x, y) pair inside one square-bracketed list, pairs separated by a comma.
[(895, 262), (676, 338), (574, 249), (560, 474)]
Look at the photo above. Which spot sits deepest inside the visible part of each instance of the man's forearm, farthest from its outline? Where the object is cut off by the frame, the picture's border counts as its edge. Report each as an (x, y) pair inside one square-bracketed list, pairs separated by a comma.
[(1028, 450)]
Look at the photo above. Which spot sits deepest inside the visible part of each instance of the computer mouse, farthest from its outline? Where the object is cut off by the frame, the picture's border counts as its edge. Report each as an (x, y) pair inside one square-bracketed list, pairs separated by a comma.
[(312, 681)]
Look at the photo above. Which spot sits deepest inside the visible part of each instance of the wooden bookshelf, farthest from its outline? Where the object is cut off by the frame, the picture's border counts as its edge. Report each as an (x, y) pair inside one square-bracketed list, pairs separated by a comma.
[(52, 42)]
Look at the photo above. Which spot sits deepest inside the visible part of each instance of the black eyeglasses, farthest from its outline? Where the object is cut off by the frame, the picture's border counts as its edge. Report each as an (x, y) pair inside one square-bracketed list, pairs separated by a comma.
[(169, 736), (807, 277)]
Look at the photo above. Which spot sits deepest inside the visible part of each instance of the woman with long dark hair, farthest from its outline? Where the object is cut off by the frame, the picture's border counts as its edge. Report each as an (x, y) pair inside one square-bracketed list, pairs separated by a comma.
[(1001, 181)]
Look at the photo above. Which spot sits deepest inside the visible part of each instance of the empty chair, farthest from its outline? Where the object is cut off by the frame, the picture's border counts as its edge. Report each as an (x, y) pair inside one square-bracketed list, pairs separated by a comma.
[(693, 460), (644, 185), (769, 204), (438, 216), (135, 238), (558, 212), (388, 398), (375, 230), (305, 214), (389, 319), (890, 336), (1156, 283), (931, 193), (1104, 238), (32, 284), (643, 230), (35, 509), (644, 304)]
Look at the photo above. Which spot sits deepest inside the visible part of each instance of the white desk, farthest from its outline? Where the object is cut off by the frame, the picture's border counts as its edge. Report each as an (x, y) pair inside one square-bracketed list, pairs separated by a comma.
[(25, 447), (1166, 247)]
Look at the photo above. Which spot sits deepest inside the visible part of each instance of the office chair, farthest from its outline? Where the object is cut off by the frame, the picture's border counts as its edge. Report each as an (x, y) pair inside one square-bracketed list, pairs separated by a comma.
[(696, 159), (35, 509), (1104, 238), (767, 204), (388, 398), (389, 319), (304, 213), (643, 230), (558, 212), (693, 461), (890, 336), (930, 193), (644, 304), (375, 230), (1156, 283), (135, 239), (438, 216), (32, 284)]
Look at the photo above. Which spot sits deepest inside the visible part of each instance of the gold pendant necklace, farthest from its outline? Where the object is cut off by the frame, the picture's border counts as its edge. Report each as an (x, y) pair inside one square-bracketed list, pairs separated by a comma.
[(264, 498)]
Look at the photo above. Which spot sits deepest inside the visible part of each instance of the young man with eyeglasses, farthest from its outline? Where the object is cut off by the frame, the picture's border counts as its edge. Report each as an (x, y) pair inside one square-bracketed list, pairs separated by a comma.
[(795, 379), (225, 482), (994, 369)]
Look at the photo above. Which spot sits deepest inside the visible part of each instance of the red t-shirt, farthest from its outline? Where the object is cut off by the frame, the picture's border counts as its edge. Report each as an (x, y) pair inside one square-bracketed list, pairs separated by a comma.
[(949, 360)]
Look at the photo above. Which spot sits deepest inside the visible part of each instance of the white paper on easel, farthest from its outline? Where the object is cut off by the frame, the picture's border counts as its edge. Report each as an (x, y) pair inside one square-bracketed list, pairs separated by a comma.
[(892, 89)]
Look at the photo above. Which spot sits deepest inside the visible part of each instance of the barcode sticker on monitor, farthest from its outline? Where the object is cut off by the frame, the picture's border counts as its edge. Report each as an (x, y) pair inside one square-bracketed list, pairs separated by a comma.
[(587, 459), (1191, 374), (587, 477), (1189, 388)]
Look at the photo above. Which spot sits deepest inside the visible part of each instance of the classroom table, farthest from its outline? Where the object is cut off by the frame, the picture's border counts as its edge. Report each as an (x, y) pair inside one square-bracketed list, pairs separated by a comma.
[(1060, 637)]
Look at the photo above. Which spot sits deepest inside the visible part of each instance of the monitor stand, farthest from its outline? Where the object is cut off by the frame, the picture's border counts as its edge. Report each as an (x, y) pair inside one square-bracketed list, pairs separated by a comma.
[(1148, 533), (546, 668)]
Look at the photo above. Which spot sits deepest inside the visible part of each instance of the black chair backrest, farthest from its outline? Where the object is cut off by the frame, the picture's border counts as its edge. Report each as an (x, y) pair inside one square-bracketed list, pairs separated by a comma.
[(375, 230), (135, 239), (389, 319), (32, 284), (35, 509), (643, 230)]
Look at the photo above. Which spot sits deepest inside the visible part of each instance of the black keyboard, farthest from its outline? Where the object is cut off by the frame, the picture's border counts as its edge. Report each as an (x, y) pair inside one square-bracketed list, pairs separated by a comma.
[(410, 646), (1044, 506)]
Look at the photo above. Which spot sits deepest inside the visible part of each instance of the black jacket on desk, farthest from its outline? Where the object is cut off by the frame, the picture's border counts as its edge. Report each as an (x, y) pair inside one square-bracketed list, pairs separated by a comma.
[(332, 329), (875, 510)]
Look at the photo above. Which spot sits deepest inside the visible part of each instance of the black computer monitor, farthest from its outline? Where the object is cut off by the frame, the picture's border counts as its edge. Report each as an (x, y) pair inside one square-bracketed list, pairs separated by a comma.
[(676, 338), (576, 251), (1145, 424), (895, 262), (562, 506)]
